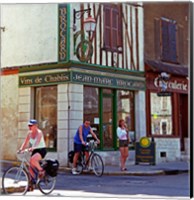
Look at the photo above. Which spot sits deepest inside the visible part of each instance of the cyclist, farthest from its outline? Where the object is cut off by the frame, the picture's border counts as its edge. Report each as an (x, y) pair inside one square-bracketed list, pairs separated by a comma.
[(80, 142), (36, 141)]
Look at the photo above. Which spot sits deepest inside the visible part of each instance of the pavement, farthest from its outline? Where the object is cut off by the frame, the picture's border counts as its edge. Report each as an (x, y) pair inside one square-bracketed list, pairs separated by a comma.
[(164, 168)]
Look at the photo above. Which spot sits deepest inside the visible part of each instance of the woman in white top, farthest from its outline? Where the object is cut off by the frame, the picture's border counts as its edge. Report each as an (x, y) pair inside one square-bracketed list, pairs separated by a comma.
[(36, 141), (122, 134)]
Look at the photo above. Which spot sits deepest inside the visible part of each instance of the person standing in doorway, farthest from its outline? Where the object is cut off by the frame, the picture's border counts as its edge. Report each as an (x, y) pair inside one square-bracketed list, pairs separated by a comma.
[(122, 134), (80, 142)]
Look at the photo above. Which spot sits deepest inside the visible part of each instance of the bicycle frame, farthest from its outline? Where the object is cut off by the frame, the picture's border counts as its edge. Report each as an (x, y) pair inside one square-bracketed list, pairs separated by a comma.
[(83, 159)]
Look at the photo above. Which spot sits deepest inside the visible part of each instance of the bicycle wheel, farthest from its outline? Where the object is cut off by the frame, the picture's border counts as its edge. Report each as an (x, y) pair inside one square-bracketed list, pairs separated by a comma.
[(97, 165), (47, 184), (15, 181)]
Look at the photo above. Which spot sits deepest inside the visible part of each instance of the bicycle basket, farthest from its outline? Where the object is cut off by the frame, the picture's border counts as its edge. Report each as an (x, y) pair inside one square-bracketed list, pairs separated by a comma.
[(25, 155), (51, 167), (70, 156)]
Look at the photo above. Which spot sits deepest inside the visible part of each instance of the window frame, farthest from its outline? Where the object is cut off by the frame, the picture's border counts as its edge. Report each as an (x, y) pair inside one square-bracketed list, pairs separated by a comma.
[(159, 46), (112, 27), (55, 140)]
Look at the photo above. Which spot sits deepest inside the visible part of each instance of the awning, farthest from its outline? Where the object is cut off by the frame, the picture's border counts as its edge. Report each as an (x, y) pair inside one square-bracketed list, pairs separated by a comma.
[(158, 66)]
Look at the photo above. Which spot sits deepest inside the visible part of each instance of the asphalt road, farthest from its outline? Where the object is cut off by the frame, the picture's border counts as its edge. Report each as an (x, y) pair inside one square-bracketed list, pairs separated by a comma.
[(117, 187), (172, 185)]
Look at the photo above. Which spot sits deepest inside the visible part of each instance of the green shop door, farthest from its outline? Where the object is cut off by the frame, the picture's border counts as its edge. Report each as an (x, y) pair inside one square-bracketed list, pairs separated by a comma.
[(107, 119)]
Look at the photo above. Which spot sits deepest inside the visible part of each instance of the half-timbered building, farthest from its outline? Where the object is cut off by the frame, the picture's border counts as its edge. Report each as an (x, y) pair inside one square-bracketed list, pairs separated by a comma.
[(53, 70)]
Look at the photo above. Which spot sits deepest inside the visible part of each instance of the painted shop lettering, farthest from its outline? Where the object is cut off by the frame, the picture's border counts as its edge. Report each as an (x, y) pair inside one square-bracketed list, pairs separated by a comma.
[(171, 84), (57, 78), (26, 81), (91, 79), (104, 81)]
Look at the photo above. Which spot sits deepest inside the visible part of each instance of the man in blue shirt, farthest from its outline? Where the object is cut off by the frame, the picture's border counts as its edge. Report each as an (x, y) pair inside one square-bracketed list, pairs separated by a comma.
[(80, 142)]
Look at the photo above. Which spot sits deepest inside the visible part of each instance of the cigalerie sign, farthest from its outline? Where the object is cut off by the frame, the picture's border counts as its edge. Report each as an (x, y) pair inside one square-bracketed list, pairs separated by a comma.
[(173, 85)]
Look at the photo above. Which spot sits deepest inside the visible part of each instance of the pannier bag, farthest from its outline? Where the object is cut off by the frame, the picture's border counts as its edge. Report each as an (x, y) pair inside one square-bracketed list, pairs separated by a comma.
[(70, 156), (51, 167)]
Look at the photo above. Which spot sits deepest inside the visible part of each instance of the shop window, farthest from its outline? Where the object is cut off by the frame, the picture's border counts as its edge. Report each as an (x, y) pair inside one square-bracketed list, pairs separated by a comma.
[(107, 118), (161, 115), (46, 114), (125, 110), (91, 110)]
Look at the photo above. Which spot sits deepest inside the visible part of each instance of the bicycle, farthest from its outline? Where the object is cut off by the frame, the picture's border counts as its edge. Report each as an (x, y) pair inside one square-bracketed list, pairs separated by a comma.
[(16, 180), (95, 160)]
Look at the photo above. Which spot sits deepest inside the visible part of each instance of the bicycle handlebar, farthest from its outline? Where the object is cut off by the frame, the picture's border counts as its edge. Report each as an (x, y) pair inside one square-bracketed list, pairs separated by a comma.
[(25, 151), (92, 144)]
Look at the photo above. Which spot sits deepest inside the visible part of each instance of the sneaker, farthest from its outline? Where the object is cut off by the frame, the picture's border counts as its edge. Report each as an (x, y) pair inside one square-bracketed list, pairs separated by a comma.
[(73, 171)]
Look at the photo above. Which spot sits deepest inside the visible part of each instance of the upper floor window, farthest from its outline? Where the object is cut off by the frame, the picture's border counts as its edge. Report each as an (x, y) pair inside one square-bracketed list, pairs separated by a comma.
[(168, 40), (112, 27)]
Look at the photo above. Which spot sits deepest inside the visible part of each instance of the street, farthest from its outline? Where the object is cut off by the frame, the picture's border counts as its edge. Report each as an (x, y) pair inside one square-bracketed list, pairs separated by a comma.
[(119, 187)]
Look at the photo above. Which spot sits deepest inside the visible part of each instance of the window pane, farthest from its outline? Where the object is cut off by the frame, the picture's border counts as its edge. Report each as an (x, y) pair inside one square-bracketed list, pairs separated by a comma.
[(161, 115), (125, 110), (91, 111), (107, 122), (169, 49), (46, 113)]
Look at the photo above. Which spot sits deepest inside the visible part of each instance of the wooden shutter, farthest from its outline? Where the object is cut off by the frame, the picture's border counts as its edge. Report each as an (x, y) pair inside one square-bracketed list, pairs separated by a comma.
[(120, 25), (172, 40), (180, 44), (169, 49), (157, 39), (165, 41), (107, 27), (114, 19)]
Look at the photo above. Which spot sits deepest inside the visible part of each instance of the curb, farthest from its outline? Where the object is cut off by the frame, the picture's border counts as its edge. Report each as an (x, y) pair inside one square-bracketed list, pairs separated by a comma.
[(115, 173), (133, 173)]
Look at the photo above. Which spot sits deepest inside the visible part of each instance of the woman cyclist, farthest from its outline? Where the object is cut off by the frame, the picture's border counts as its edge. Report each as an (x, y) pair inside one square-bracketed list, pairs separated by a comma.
[(36, 141)]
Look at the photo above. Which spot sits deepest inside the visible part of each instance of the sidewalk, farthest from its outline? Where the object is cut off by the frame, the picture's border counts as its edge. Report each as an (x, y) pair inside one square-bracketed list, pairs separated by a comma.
[(166, 168)]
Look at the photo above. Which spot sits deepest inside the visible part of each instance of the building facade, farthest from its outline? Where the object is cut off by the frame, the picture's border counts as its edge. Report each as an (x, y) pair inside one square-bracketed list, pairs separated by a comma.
[(166, 39), (56, 72)]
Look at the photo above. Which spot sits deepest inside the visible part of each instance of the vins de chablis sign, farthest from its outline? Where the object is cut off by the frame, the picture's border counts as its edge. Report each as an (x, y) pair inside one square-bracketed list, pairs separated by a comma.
[(44, 79)]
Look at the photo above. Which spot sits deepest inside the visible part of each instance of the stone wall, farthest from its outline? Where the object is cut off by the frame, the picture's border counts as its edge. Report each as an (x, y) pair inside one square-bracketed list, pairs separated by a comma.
[(9, 116), (70, 106), (167, 149)]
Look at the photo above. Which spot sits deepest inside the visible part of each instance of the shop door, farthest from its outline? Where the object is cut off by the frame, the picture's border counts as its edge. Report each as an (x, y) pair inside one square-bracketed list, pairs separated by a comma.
[(183, 119), (107, 119)]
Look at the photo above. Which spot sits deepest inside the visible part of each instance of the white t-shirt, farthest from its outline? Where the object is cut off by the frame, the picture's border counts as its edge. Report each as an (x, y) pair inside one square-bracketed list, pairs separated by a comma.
[(121, 134), (41, 143)]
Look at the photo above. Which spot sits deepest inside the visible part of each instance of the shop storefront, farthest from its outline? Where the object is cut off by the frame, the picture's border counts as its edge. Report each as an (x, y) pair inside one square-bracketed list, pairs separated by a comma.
[(61, 100), (167, 109)]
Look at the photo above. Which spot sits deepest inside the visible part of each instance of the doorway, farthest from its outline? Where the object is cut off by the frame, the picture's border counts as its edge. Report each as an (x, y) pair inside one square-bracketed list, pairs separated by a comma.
[(183, 119), (107, 118)]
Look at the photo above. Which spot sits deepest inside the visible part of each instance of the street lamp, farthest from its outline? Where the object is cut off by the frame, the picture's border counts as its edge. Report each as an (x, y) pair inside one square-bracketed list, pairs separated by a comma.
[(89, 23)]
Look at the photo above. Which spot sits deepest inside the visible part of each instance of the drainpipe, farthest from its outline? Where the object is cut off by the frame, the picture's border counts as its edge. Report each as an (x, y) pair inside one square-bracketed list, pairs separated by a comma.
[(68, 122), (0, 95)]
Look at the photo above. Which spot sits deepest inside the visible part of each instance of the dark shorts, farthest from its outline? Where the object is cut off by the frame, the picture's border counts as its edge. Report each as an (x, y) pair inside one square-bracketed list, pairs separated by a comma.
[(79, 147), (41, 151), (123, 143)]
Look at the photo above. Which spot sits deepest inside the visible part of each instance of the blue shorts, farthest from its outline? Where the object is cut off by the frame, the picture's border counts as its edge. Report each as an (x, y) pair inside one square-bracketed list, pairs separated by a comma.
[(79, 148)]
